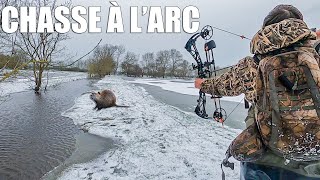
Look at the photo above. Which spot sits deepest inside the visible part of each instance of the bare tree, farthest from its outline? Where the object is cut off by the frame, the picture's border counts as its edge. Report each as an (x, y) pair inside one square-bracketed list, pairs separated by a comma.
[(184, 69), (120, 51), (148, 62), (167, 62), (162, 60), (40, 48), (176, 59), (106, 50), (130, 66)]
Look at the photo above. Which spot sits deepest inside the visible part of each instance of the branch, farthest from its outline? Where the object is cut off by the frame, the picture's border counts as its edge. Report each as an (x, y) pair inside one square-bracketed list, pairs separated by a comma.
[(5, 65), (85, 54), (14, 71)]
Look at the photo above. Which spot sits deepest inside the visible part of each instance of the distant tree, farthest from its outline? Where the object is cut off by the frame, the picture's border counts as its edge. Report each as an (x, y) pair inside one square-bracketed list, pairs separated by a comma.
[(102, 62), (10, 62), (148, 61), (92, 68), (119, 52), (176, 59), (130, 66), (136, 71), (129, 60), (162, 61), (153, 69), (184, 69)]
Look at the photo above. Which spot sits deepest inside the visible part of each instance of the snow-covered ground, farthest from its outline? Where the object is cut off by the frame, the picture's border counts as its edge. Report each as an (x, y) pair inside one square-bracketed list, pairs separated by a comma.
[(22, 82), (181, 86), (156, 141)]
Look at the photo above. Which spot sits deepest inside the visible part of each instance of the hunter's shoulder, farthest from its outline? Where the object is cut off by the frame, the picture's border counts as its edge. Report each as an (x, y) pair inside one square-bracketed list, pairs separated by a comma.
[(247, 59), (247, 62)]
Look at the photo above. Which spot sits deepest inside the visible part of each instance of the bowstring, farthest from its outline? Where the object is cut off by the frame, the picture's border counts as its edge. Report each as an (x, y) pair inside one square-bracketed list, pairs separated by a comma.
[(217, 103), (215, 75), (215, 71), (216, 99), (234, 109), (242, 37)]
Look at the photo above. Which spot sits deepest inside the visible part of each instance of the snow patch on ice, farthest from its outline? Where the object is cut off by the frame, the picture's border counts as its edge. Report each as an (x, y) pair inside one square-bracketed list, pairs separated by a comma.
[(181, 86), (156, 141)]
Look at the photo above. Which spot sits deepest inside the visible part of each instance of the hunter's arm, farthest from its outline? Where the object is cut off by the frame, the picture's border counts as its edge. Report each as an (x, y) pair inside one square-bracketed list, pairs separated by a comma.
[(238, 80)]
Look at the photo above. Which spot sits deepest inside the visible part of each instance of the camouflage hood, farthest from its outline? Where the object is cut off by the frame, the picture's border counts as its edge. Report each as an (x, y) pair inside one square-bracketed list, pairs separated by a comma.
[(280, 35)]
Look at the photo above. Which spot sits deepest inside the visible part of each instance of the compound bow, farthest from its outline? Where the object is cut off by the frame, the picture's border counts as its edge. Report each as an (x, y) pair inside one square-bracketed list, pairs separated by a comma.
[(205, 71)]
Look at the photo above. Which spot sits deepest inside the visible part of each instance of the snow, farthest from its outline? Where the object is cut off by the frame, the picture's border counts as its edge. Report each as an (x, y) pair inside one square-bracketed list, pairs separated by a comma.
[(181, 86), (154, 140), (22, 83)]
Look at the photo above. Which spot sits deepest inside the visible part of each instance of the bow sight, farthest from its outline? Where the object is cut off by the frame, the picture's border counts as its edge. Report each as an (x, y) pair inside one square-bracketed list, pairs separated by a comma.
[(205, 71)]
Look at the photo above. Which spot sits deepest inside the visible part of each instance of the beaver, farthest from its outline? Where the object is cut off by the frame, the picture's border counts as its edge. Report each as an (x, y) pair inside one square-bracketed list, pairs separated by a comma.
[(104, 99)]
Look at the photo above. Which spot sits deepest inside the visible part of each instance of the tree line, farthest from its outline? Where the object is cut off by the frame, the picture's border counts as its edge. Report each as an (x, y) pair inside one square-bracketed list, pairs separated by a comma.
[(112, 59)]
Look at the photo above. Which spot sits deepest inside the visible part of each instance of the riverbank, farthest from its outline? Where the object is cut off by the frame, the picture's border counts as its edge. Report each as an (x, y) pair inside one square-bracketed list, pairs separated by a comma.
[(35, 138), (156, 140), (88, 147), (236, 111)]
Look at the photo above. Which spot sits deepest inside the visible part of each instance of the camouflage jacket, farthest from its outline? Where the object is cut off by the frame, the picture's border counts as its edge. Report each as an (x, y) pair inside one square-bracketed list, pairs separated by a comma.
[(242, 78)]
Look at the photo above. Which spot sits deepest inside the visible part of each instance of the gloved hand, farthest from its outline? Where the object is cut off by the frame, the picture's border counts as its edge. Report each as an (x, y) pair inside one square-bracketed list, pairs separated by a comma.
[(198, 82)]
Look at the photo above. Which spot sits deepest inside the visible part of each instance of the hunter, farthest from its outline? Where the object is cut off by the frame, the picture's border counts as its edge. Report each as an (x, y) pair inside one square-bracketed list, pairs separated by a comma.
[(281, 81)]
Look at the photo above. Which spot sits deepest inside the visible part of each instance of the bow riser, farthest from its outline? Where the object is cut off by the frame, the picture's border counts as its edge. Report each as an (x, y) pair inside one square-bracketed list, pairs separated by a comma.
[(205, 71)]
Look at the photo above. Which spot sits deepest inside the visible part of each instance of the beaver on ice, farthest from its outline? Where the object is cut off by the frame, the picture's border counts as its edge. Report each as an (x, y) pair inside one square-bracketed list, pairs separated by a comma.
[(104, 99)]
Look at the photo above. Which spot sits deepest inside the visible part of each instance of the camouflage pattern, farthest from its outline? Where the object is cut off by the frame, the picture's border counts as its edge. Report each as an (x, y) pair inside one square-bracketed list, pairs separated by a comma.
[(241, 79), (280, 35), (297, 126), (297, 134), (293, 130), (248, 145)]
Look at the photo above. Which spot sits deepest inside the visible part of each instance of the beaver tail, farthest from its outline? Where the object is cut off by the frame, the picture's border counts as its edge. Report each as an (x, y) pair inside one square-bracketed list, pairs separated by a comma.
[(122, 106)]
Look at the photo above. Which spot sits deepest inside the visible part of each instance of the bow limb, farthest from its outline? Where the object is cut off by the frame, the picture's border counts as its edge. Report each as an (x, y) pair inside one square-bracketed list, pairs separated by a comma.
[(191, 47), (201, 107)]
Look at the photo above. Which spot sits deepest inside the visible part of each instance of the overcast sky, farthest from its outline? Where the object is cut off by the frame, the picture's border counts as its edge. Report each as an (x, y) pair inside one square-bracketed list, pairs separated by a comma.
[(242, 17)]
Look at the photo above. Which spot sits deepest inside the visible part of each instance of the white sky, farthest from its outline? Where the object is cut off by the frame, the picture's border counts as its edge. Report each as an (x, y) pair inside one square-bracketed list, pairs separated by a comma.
[(242, 17)]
